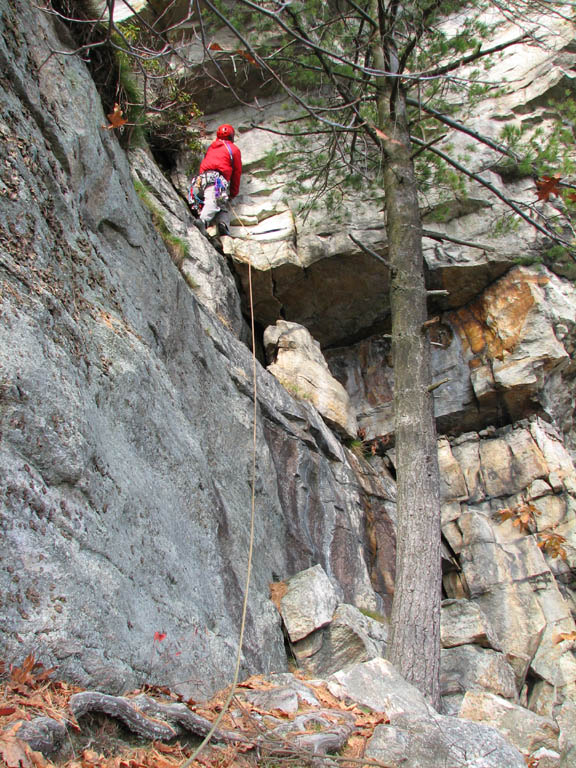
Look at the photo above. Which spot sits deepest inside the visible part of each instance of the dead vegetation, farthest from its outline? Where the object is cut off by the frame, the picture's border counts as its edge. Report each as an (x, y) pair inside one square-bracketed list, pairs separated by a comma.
[(250, 736)]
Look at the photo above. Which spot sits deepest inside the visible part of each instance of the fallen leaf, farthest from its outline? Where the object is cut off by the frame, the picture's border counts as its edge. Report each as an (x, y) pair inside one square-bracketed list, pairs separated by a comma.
[(256, 681), (215, 47), (570, 636), (16, 753), (156, 760), (30, 674), (4, 711), (116, 118)]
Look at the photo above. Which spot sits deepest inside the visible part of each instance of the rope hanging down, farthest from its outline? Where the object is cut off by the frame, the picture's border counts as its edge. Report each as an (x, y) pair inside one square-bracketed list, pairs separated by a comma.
[(230, 696)]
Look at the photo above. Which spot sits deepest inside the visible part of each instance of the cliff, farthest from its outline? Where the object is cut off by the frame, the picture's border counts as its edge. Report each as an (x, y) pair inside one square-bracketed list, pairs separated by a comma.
[(127, 404)]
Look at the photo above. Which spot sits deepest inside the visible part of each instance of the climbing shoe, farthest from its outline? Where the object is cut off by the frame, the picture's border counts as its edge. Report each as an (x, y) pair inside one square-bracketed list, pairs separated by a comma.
[(199, 224), (223, 228)]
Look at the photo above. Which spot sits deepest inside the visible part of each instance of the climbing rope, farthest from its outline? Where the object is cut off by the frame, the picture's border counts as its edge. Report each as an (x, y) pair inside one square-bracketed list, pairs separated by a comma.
[(234, 683)]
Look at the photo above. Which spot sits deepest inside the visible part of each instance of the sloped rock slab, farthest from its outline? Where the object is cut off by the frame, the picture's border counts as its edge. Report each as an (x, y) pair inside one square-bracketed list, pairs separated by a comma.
[(523, 728), (378, 685), (427, 742)]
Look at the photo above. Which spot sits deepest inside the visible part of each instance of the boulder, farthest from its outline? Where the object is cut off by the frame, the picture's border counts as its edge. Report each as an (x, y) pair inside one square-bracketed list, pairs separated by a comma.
[(463, 622), (436, 740), (468, 667), (283, 692), (309, 602), (378, 684), (296, 360), (350, 638)]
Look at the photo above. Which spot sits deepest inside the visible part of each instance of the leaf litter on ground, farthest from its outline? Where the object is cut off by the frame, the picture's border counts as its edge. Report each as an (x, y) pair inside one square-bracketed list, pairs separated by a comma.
[(30, 690)]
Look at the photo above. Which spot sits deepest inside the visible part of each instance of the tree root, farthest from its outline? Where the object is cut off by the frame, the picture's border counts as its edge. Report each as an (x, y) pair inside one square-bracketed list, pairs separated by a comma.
[(147, 717), (313, 733), (43, 734)]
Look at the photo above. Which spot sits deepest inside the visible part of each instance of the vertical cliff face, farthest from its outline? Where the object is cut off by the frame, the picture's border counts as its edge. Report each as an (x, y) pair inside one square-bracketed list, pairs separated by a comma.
[(126, 411), (126, 415)]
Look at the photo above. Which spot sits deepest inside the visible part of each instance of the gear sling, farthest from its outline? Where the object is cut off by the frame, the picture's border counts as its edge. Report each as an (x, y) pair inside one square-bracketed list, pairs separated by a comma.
[(203, 180)]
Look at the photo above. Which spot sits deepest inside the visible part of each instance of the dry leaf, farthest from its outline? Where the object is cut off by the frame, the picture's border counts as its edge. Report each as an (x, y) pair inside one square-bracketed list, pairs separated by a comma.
[(29, 675), (277, 591), (523, 515), (116, 118), (248, 57), (256, 681), (547, 186), (16, 753), (570, 636), (551, 543)]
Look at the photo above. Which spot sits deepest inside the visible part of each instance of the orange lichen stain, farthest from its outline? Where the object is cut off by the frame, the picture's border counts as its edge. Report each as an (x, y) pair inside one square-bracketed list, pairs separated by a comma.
[(492, 325)]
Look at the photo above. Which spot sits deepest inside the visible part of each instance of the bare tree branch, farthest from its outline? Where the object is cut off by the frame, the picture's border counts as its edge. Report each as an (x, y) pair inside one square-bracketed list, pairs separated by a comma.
[(479, 54), (510, 203), (458, 126), (440, 237), (368, 251)]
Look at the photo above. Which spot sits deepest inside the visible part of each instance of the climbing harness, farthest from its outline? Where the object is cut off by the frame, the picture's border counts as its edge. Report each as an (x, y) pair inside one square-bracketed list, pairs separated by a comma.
[(200, 183)]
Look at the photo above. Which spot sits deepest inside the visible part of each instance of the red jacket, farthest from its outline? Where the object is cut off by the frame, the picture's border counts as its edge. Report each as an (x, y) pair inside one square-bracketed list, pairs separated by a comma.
[(217, 158)]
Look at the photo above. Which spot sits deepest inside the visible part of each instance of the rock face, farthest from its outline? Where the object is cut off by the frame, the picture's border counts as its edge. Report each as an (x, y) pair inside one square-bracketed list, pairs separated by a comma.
[(502, 356), (307, 268), (127, 402)]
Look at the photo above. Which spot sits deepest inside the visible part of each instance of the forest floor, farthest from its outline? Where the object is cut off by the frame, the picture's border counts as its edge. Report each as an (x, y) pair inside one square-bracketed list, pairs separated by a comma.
[(96, 740)]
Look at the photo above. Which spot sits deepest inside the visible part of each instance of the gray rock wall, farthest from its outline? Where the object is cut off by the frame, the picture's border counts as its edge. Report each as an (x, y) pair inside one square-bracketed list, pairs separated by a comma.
[(126, 418), (126, 414)]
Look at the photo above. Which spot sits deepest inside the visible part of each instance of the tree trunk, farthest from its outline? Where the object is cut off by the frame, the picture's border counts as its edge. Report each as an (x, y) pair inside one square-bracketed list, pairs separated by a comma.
[(414, 642)]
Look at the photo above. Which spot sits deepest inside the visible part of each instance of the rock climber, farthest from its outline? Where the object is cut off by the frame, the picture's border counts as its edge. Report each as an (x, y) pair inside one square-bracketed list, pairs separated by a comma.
[(218, 181)]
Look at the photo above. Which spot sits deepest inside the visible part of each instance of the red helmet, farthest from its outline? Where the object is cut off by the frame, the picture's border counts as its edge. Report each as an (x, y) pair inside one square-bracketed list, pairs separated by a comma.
[(225, 132)]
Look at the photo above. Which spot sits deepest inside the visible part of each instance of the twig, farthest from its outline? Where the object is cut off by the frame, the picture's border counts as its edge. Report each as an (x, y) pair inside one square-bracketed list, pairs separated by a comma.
[(437, 384), (440, 236), (367, 250)]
